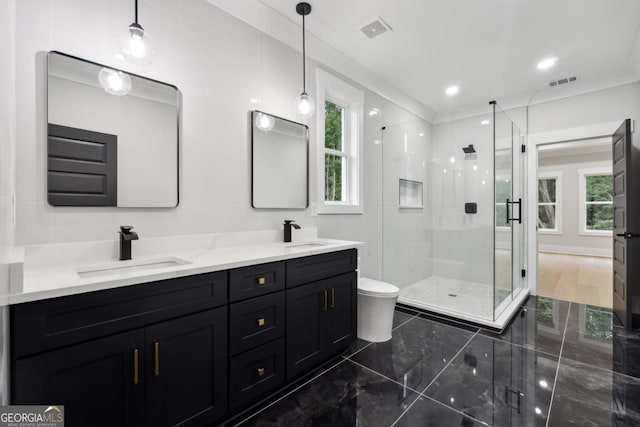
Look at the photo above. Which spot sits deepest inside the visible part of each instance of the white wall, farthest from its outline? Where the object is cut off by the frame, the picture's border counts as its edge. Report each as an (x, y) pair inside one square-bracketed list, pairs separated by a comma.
[(7, 148), (218, 63), (570, 240)]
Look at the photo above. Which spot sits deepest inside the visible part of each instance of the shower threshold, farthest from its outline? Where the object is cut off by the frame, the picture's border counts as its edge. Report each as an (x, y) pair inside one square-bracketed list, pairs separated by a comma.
[(464, 300)]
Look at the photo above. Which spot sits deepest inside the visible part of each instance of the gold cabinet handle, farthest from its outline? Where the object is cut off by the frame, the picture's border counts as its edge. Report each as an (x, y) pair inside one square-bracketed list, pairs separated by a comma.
[(156, 357), (261, 322), (136, 359), (333, 298), (324, 306), (260, 372), (261, 281)]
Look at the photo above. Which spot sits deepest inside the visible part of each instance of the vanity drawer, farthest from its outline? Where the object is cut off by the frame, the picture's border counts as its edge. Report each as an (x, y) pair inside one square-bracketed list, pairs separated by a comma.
[(318, 267), (48, 324), (256, 372), (249, 282), (256, 321)]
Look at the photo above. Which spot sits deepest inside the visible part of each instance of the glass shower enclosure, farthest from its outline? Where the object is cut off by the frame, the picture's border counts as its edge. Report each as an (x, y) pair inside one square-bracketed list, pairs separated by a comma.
[(454, 216)]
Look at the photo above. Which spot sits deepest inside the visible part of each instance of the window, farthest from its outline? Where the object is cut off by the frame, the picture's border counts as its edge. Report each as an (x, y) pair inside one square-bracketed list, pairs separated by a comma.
[(549, 189), (340, 123), (596, 201)]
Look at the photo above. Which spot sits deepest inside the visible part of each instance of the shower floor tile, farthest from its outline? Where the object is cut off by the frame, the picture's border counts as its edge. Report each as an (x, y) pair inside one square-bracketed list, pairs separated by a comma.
[(475, 299)]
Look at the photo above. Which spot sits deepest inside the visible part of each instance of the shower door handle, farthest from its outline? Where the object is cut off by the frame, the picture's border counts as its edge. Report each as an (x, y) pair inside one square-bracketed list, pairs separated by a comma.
[(519, 203), (507, 209)]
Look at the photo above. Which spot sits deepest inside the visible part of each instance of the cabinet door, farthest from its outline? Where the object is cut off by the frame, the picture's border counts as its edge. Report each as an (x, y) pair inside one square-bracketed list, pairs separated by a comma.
[(187, 370), (306, 328), (341, 319), (95, 381)]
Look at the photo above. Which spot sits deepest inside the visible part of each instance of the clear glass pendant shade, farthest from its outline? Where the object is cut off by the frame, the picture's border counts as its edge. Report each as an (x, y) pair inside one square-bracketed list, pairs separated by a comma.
[(264, 122), (114, 82), (136, 45), (304, 105)]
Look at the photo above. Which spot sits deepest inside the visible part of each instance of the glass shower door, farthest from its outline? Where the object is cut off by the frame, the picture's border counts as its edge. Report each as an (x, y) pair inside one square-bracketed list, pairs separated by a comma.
[(504, 210)]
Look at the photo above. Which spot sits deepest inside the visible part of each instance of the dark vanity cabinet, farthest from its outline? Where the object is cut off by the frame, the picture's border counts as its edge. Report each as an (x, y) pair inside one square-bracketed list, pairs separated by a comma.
[(151, 354), (190, 351), (321, 314)]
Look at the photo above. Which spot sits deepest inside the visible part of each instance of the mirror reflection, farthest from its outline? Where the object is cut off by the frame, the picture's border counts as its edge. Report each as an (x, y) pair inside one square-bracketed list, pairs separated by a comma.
[(280, 166), (112, 136)]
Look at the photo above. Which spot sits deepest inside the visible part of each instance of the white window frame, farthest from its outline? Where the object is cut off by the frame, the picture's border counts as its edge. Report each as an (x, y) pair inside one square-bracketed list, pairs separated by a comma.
[(352, 99), (558, 204), (582, 200)]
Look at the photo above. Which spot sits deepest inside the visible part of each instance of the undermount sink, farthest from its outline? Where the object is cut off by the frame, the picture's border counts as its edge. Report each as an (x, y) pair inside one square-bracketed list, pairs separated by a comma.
[(306, 245), (126, 267)]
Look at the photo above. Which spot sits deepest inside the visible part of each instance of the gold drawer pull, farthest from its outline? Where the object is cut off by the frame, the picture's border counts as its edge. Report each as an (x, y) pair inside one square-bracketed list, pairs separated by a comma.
[(136, 357), (261, 281), (260, 372), (261, 322), (333, 298), (156, 353), (324, 305)]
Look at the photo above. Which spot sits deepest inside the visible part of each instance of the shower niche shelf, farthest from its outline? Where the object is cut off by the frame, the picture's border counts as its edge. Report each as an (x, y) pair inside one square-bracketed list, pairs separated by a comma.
[(411, 194)]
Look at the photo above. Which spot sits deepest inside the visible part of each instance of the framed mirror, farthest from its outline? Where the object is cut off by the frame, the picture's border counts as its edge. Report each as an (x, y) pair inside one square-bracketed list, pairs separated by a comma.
[(113, 136), (279, 163)]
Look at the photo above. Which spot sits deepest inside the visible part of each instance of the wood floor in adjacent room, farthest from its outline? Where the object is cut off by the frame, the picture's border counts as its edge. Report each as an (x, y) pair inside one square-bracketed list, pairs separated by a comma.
[(581, 279)]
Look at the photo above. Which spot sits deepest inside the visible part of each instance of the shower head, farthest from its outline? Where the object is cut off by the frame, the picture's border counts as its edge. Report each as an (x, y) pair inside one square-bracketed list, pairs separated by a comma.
[(469, 149)]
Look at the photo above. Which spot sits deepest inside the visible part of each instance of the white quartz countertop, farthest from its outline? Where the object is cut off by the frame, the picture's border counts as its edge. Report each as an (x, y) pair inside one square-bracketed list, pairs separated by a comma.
[(43, 280)]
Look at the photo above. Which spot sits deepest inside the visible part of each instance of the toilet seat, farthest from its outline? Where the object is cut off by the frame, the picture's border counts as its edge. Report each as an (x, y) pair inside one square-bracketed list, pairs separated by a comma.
[(376, 288)]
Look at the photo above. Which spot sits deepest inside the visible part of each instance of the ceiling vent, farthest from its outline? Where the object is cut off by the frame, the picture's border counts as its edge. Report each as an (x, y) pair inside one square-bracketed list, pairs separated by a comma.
[(376, 28), (562, 81)]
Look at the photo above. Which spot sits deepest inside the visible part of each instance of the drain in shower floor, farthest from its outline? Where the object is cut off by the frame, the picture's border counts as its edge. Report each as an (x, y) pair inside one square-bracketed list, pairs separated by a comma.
[(453, 295)]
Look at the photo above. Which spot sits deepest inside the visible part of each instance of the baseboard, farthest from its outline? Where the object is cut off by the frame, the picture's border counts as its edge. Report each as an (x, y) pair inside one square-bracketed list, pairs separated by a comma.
[(576, 250)]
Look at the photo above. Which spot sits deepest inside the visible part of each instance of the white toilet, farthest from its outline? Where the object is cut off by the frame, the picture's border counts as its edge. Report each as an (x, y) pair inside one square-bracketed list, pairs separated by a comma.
[(376, 303)]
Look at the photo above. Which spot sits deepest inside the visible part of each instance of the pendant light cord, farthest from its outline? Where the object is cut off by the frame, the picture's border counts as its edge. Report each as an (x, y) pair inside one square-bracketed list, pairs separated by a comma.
[(137, 12), (304, 59)]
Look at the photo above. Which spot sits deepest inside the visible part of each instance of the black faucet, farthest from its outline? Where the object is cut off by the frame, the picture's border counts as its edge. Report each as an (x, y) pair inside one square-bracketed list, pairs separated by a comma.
[(126, 236), (288, 223)]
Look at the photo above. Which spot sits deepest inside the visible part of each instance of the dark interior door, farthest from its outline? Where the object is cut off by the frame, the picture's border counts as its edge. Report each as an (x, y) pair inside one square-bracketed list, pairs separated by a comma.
[(626, 226)]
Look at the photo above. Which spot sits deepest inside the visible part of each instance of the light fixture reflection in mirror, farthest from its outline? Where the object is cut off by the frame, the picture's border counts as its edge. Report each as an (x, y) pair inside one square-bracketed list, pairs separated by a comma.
[(264, 122), (114, 82)]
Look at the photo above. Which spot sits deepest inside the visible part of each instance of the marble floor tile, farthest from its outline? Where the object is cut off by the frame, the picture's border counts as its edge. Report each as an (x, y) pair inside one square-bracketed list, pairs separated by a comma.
[(416, 353), (347, 395), (588, 396), (427, 412), (498, 383), (543, 303), (540, 330), (589, 336), (399, 317), (626, 351)]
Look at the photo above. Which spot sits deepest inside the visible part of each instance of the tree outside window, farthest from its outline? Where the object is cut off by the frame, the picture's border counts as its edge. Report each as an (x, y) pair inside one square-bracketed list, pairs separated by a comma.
[(547, 203), (335, 157), (599, 202)]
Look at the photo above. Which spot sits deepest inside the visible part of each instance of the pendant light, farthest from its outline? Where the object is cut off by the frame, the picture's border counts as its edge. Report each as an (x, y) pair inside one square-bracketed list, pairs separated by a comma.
[(136, 44), (304, 104)]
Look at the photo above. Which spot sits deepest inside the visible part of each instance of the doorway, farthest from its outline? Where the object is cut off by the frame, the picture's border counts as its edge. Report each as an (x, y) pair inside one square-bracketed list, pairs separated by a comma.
[(575, 221)]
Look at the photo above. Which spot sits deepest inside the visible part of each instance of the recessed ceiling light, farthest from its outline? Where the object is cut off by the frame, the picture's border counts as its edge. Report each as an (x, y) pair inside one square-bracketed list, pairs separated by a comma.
[(547, 63), (452, 90), (485, 122), (421, 134), (254, 100), (374, 112)]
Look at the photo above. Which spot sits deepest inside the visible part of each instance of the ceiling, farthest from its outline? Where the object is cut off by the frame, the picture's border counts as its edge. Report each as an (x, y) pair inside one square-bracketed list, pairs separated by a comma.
[(489, 48)]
